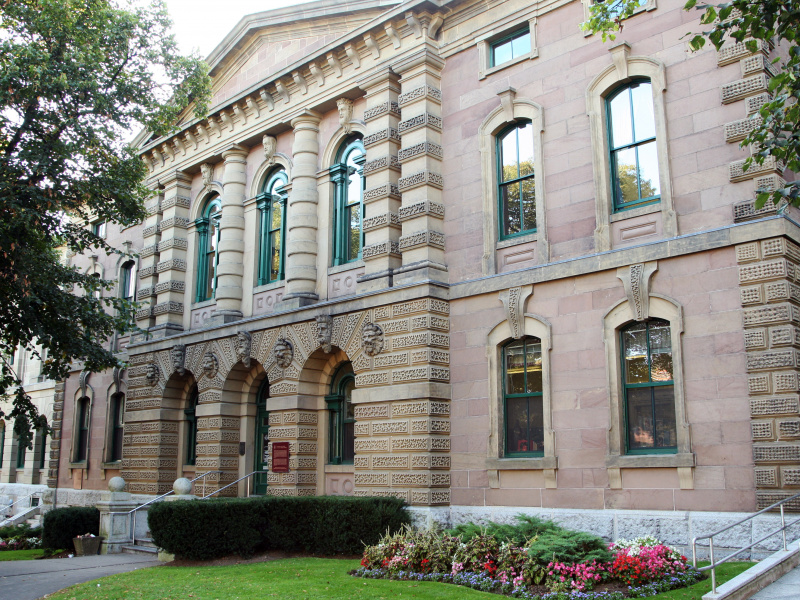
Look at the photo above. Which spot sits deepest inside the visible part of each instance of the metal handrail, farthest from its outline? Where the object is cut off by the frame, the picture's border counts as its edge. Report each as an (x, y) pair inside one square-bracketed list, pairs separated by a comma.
[(234, 483), (10, 506), (157, 498), (710, 537)]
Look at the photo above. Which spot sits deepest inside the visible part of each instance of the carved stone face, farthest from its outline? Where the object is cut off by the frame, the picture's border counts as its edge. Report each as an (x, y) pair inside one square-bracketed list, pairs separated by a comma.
[(372, 337), (208, 173), (324, 332), (270, 147), (178, 354), (345, 108), (152, 373), (283, 352), (210, 365), (243, 342)]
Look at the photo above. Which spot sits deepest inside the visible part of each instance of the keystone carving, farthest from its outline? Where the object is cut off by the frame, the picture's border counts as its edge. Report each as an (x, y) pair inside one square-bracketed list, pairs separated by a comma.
[(636, 281), (208, 174), (284, 352), (514, 302), (345, 107), (270, 147), (244, 342), (324, 332), (152, 374), (83, 381), (178, 356), (210, 365), (372, 339)]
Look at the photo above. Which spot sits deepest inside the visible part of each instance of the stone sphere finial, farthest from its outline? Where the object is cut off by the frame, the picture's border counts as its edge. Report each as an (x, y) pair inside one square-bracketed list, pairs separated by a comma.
[(116, 484), (182, 487)]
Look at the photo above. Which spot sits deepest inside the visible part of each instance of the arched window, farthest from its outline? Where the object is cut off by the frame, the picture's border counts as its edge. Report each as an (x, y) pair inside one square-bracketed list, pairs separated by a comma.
[(82, 426), (522, 397), (272, 209), (348, 213), (632, 144), (342, 417), (649, 396), (191, 427), (516, 182), (208, 249), (127, 281), (117, 426)]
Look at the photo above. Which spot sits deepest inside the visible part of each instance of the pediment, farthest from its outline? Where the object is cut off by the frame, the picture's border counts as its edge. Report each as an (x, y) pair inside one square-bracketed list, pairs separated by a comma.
[(264, 43)]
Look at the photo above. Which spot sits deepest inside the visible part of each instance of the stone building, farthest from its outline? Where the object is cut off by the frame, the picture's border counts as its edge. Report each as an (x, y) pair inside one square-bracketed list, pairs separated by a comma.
[(461, 253)]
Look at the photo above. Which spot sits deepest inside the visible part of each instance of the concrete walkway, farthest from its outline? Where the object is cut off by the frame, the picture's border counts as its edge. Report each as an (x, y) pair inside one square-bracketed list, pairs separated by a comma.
[(32, 579), (785, 588)]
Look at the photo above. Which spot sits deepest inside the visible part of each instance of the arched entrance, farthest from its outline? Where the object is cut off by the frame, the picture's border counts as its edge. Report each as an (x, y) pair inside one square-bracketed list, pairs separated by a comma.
[(261, 446)]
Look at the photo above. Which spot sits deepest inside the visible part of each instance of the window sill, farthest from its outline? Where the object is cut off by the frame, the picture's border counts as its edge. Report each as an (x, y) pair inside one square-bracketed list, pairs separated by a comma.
[(650, 461), (79, 465), (339, 468), (520, 239), (273, 285), (522, 464), (514, 61), (635, 212), (204, 303), (356, 264), (114, 464)]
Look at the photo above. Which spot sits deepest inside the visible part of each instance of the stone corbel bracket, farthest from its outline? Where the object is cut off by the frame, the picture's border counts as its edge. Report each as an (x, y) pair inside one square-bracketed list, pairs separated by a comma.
[(636, 281), (514, 300)]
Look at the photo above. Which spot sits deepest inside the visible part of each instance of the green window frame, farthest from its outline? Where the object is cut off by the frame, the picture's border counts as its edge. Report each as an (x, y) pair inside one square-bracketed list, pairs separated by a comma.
[(117, 426), (42, 446), (511, 46), (21, 451), (127, 281), (516, 180), (523, 399), (271, 204), (208, 249), (190, 416), (633, 157), (99, 229), (347, 176), (82, 447), (341, 431), (648, 388), (2, 445)]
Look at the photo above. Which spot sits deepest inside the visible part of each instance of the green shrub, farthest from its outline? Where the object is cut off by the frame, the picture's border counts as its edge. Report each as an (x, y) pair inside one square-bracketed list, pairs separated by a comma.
[(60, 525), (200, 530), (21, 530), (545, 541)]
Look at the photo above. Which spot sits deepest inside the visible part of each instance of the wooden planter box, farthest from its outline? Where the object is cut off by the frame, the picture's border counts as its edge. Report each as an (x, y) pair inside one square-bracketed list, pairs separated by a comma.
[(87, 546)]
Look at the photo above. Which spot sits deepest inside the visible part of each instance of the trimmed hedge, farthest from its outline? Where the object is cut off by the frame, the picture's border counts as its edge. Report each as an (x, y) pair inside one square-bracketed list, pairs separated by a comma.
[(201, 530), (60, 525)]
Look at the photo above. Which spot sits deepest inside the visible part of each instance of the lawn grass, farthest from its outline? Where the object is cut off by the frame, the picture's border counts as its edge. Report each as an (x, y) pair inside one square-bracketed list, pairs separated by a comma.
[(20, 554), (725, 572), (294, 579)]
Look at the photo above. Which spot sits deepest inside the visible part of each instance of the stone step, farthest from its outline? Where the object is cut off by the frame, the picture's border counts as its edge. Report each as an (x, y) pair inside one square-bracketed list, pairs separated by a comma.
[(148, 550)]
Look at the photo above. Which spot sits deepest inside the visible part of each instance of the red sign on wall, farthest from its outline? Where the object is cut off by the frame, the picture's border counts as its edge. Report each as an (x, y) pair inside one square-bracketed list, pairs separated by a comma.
[(280, 457)]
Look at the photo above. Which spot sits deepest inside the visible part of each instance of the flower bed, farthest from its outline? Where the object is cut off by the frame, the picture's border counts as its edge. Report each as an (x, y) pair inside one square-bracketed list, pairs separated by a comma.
[(637, 568), (20, 537)]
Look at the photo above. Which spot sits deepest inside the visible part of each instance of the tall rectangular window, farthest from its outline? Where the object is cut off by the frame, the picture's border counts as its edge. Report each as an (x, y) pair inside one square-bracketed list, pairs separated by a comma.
[(82, 448), (522, 397), (649, 388), (516, 180), (117, 426), (632, 143)]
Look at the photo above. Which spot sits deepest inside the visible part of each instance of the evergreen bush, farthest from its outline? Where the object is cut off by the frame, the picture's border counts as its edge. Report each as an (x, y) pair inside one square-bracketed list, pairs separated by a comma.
[(60, 525), (201, 530)]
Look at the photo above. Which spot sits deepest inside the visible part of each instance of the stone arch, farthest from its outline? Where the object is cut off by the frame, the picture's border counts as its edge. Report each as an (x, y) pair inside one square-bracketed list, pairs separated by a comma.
[(266, 167), (328, 156), (315, 376)]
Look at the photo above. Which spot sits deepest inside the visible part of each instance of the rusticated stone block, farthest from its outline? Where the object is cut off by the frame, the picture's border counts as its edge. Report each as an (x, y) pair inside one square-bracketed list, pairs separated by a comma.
[(772, 314), (762, 430), (737, 90), (772, 359), (776, 453), (748, 252), (766, 271), (786, 405), (766, 477)]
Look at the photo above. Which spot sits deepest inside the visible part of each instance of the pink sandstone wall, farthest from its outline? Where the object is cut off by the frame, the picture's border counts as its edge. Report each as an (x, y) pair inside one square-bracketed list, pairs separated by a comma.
[(558, 80), (715, 386)]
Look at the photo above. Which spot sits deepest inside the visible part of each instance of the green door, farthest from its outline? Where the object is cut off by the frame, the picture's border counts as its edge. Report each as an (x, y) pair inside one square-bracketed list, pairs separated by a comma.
[(262, 441)]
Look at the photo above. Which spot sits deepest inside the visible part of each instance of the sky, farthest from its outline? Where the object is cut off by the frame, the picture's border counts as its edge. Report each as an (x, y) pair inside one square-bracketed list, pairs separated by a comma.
[(202, 24)]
